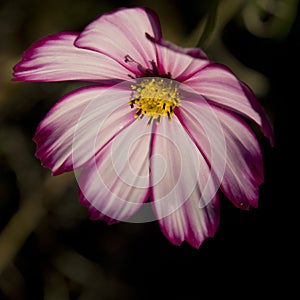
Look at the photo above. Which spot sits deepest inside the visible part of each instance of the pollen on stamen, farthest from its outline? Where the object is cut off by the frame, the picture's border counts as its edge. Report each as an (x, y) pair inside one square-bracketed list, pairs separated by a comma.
[(155, 98)]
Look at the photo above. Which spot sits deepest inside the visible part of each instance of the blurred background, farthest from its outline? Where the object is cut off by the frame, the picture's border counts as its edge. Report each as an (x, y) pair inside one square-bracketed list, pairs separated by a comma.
[(49, 249)]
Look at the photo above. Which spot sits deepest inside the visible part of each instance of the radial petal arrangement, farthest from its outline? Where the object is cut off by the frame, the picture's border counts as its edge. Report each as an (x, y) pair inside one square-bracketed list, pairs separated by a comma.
[(157, 125)]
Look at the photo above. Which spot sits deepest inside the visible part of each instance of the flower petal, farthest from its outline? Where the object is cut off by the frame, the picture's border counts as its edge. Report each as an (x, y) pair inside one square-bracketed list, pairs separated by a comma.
[(194, 52), (192, 223), (55, 58), (241, 157), (80, 124), (121, 34), (244, 171), (116, 182), (267, 127), (184, 196), (219, 85), (178, 62)]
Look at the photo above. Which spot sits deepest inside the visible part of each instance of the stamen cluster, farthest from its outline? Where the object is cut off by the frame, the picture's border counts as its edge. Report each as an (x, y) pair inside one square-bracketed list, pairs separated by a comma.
[(155, 98)]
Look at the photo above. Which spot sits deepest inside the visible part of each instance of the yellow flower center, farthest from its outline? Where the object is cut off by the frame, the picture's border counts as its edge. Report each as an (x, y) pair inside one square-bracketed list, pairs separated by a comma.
[(155, 98)]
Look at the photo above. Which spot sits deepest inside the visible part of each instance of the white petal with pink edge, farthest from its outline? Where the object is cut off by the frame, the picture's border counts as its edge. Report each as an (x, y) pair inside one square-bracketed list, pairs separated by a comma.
[(115, 183), (194, 52), (181, 179), (219, 85), (55, 58), (176, 62), (242, 157), (121, 34), (244, 172), (80, 124), (192, 223)]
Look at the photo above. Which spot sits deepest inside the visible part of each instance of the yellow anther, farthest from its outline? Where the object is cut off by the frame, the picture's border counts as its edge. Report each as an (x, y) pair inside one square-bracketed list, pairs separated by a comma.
[(155, 98)]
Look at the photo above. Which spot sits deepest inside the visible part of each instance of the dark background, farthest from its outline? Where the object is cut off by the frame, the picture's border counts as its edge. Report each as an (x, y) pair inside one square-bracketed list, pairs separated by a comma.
[(49, 249)]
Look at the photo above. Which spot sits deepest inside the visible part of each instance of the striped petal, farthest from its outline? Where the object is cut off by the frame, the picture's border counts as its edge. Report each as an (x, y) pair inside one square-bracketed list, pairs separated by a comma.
[(121, 35), (115, 183), (244, 171), (219, 86), (55, 58), (80, 124), (235, 158), (179, 63), (193, 52), (184, 197), (192, 223)]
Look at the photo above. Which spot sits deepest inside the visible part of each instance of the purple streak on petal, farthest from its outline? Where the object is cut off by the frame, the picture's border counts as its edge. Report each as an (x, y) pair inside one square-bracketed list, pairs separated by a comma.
[(194, 52), (244, 169), (180, 184), (177, 62), (244, 172), (267, 127), (121, 33), (205, 129), (67, 137), (191, 223), (94, 213), (55, 58), (116, 182), (219, 85)]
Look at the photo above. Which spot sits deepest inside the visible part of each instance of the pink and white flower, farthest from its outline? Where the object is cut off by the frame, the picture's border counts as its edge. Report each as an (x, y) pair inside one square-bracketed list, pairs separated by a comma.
[(157, 122)]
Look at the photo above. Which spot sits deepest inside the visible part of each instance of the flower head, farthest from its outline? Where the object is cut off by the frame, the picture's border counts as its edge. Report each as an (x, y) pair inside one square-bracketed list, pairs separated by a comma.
[(159, 123)]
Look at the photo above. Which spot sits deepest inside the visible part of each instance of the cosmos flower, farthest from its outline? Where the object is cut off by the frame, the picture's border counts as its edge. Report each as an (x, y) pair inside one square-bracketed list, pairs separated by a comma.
[(158, 127)]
